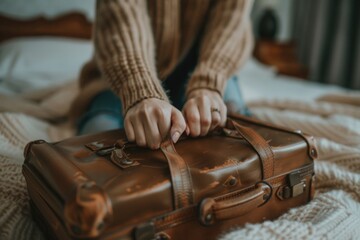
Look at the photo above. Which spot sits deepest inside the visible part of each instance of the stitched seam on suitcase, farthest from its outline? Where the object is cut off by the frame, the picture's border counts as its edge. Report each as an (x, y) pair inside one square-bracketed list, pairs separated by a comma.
[(175, 218), (268, 159), (180, 175)]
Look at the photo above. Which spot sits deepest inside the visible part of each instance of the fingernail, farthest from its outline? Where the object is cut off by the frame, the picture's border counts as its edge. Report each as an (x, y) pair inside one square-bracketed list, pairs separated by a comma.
[(175, 137)]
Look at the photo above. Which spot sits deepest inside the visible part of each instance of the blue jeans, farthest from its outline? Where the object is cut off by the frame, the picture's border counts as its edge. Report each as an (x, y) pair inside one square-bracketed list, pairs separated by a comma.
[(105, 110)]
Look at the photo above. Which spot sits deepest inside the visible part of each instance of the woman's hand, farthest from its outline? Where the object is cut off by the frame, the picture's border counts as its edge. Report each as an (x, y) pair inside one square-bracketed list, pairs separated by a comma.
[(204, 110), (149, 122)]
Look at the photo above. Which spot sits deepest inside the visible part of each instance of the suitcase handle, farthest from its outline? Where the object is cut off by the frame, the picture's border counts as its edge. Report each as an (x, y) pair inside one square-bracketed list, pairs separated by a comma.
[(234, 204)]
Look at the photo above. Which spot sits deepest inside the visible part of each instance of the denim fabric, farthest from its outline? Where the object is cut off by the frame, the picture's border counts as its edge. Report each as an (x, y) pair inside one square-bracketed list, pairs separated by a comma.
[(105, 111), (234, 96)]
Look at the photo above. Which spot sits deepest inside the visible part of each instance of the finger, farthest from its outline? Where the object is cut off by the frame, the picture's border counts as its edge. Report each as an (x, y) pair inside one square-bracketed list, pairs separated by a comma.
[(152, 134), (178, 124), (163, 123), (187, 129), (139, 133), (129, 130), (215, 118), (192, 116), (205, 117), (223, 114)]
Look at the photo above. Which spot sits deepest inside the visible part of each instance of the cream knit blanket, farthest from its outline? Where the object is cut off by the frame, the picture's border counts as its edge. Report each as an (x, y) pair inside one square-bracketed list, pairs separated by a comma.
[(333, 214)]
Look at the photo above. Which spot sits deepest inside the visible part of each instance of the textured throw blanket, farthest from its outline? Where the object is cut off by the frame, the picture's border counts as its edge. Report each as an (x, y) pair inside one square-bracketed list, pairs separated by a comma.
[(333, 214)]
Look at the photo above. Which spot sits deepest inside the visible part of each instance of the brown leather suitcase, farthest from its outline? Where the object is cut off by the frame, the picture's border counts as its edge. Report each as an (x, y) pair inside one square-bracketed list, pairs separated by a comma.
[(102, 187)]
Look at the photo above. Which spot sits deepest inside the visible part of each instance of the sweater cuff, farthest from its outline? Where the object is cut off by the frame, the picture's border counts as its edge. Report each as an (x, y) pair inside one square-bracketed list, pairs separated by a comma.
[(134, 88), (205, 77)]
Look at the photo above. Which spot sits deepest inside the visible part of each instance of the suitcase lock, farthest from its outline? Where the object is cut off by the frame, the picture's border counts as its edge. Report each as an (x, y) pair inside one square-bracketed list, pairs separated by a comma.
[(296, 186)]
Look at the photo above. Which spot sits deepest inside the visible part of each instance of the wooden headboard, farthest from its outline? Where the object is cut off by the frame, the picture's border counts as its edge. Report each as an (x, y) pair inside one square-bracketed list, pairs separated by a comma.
[(69, 25)]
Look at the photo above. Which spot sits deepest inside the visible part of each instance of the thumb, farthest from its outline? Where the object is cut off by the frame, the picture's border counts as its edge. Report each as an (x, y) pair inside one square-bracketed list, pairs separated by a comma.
[(178, 124)]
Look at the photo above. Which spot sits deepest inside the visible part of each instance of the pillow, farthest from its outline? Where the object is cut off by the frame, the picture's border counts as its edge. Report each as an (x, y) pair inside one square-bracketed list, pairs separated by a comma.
[(37, 62)]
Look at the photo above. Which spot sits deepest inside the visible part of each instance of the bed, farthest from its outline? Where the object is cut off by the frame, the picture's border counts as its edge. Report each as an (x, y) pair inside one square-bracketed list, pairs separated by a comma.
[(38, 71)]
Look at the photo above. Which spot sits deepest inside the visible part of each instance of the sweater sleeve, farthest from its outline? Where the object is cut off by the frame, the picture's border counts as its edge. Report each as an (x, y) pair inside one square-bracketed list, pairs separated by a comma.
[(226, 44), (125, 52)]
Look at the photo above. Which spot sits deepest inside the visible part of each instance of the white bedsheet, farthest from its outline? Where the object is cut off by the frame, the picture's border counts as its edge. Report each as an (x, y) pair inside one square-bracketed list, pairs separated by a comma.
[(258, 81)]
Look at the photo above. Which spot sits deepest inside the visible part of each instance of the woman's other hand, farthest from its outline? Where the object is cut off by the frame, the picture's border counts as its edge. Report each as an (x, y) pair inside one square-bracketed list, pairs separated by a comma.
[(204, 110), (149, 122)]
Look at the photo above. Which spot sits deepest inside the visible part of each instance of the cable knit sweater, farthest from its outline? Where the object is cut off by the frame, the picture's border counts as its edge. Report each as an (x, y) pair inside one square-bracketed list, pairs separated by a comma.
[(138, 44)]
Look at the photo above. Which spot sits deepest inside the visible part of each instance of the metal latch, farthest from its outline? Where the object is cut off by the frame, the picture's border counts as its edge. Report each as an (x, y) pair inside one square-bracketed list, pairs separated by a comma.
[(296, 186), (296, 183), (122, 159), (116, 151)]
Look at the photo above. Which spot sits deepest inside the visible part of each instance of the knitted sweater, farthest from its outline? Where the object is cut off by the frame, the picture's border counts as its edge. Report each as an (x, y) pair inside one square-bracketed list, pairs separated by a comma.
[(139, 43)]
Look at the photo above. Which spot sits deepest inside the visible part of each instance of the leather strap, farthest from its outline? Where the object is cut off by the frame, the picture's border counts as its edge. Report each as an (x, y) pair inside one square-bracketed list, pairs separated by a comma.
[(180, 176), (260, 145)]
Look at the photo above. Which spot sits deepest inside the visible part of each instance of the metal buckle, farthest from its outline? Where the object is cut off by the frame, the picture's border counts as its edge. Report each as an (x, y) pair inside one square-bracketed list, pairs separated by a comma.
[(121, 158)]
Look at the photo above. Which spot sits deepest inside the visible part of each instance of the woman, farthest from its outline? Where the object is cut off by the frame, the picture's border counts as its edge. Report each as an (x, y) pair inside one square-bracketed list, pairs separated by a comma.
[(147, 51)]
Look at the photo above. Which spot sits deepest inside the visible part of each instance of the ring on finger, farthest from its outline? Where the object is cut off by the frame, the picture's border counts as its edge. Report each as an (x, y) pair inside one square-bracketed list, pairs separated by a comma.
[(215, 110)]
